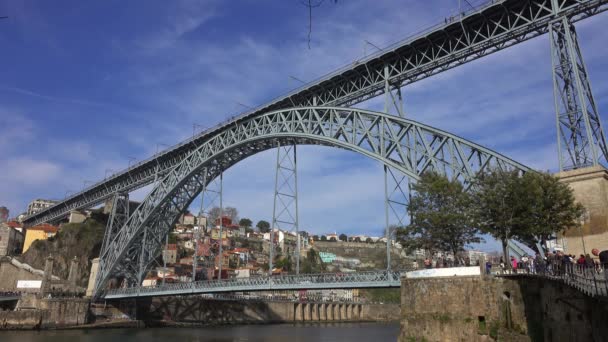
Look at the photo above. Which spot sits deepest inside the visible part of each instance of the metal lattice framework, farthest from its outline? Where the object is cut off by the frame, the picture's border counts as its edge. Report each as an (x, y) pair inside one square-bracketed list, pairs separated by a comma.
[(458, 40), (580, 137), (372, 279), (285, 206), (404, 145)]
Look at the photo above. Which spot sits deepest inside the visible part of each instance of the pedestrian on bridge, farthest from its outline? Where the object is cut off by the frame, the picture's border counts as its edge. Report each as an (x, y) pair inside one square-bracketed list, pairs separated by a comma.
[(603, 255)]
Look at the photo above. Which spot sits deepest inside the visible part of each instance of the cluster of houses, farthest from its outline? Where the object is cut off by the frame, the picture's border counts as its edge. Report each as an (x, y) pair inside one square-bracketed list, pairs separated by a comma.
[(194, 251)]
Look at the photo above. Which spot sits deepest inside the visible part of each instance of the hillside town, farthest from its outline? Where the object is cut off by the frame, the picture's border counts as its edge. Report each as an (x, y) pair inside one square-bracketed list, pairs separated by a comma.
[(205, 248)]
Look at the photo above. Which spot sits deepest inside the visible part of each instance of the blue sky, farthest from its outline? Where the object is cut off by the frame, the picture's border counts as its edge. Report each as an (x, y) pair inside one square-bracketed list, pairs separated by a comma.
[(86, 86)]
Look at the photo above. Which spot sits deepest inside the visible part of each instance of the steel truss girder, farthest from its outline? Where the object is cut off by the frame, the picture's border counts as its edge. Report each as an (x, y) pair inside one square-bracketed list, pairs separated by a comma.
[(492, 27), (580, 137), (404, 145)]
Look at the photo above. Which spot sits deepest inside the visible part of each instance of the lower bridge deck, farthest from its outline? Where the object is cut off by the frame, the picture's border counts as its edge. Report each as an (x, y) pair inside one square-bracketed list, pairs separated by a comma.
[(375, 279)]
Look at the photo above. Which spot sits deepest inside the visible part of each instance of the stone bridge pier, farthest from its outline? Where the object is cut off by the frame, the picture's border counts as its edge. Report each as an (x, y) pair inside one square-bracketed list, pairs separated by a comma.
[(327, 312)]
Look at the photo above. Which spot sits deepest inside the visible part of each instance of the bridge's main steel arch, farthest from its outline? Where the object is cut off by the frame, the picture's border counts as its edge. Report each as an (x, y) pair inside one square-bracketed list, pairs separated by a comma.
[(404, 145)]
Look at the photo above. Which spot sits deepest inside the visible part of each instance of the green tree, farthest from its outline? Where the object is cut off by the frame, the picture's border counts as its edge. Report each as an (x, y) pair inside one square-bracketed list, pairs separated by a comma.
[(323, 238), (315, 238), (343, 237), (443, 216), (263, 226), (357, 239), (527, 208), (245, 222), (369, 240)]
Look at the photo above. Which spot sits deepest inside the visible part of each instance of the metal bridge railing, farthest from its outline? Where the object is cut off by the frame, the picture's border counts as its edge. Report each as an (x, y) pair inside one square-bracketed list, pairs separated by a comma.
[(286, 282), (592, 281)]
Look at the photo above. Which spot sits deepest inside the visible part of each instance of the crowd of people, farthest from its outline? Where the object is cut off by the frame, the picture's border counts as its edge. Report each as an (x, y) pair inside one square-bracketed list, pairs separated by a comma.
[(558, 263), (10, 293)]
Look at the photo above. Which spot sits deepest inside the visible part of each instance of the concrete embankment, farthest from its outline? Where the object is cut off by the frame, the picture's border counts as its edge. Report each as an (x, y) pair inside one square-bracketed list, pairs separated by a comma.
[(46, 313)]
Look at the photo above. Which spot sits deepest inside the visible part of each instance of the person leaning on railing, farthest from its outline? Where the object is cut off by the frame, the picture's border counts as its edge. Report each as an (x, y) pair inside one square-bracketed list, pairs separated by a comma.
[(603, 255)]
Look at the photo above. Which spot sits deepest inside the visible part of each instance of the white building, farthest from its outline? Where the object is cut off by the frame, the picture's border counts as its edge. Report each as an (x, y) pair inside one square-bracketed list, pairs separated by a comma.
[(38, 205)]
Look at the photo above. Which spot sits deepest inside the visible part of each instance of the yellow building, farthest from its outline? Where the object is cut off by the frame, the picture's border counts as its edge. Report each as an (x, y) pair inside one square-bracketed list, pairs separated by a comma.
[(39, 232)]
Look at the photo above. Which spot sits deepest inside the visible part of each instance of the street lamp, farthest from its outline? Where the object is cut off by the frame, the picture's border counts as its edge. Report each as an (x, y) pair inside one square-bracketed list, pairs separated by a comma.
[(583, 219), (194, 126), (105, 175), (131, 159), (159, 145)]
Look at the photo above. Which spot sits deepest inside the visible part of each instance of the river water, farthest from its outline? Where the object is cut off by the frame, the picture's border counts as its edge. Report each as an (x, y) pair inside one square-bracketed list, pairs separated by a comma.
[(326, 332)]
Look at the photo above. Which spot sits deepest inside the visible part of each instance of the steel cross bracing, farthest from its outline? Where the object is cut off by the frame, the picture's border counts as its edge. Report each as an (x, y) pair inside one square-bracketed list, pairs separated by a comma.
[(580, 138), (404, 145), (285, 205), (484, 30), (372, 279)]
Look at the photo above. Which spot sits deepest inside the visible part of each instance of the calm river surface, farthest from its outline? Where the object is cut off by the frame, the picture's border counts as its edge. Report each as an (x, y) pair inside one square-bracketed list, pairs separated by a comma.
[(351, 332)]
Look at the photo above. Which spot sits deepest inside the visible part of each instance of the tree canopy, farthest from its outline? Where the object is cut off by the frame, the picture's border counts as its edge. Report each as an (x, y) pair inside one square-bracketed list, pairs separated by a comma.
[(442, 216), (263, 226), (343, 237), (245, 222), (527, 208)]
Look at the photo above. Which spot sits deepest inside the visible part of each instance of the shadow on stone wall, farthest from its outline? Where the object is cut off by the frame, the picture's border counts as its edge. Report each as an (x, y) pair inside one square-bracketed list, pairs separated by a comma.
[(557, 312)]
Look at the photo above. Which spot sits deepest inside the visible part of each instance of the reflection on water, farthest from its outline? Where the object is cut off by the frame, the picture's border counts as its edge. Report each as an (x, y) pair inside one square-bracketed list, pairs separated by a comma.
[(351, 332)]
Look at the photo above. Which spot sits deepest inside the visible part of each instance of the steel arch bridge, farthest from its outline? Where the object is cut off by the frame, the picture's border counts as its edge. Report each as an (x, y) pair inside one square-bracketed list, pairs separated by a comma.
[(401, 144), (470, 35)]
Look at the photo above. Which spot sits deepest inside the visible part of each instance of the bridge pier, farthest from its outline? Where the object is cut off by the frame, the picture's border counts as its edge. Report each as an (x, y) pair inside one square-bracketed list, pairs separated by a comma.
[(330, 312), (323, 312), (307, 311), (298, 312), (590, 188), (315, 312)]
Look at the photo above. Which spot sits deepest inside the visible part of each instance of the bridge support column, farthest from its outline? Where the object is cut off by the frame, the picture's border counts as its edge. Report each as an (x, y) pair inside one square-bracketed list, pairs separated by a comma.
[(119, 214), (285, 208), (330, 312), (343, 316), (323, 312), (357, 311), (315, 312), (210, 197), (590, 188), (580, 137), (307, 308), (299, 312)]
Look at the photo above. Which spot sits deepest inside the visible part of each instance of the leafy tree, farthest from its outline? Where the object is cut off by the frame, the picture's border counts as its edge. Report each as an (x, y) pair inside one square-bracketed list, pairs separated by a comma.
[(323, 238), (263, 226), (369, 240), (357, 239), (245, 222), (443, 216), (315, 238), (343, 237), (525, 208)]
